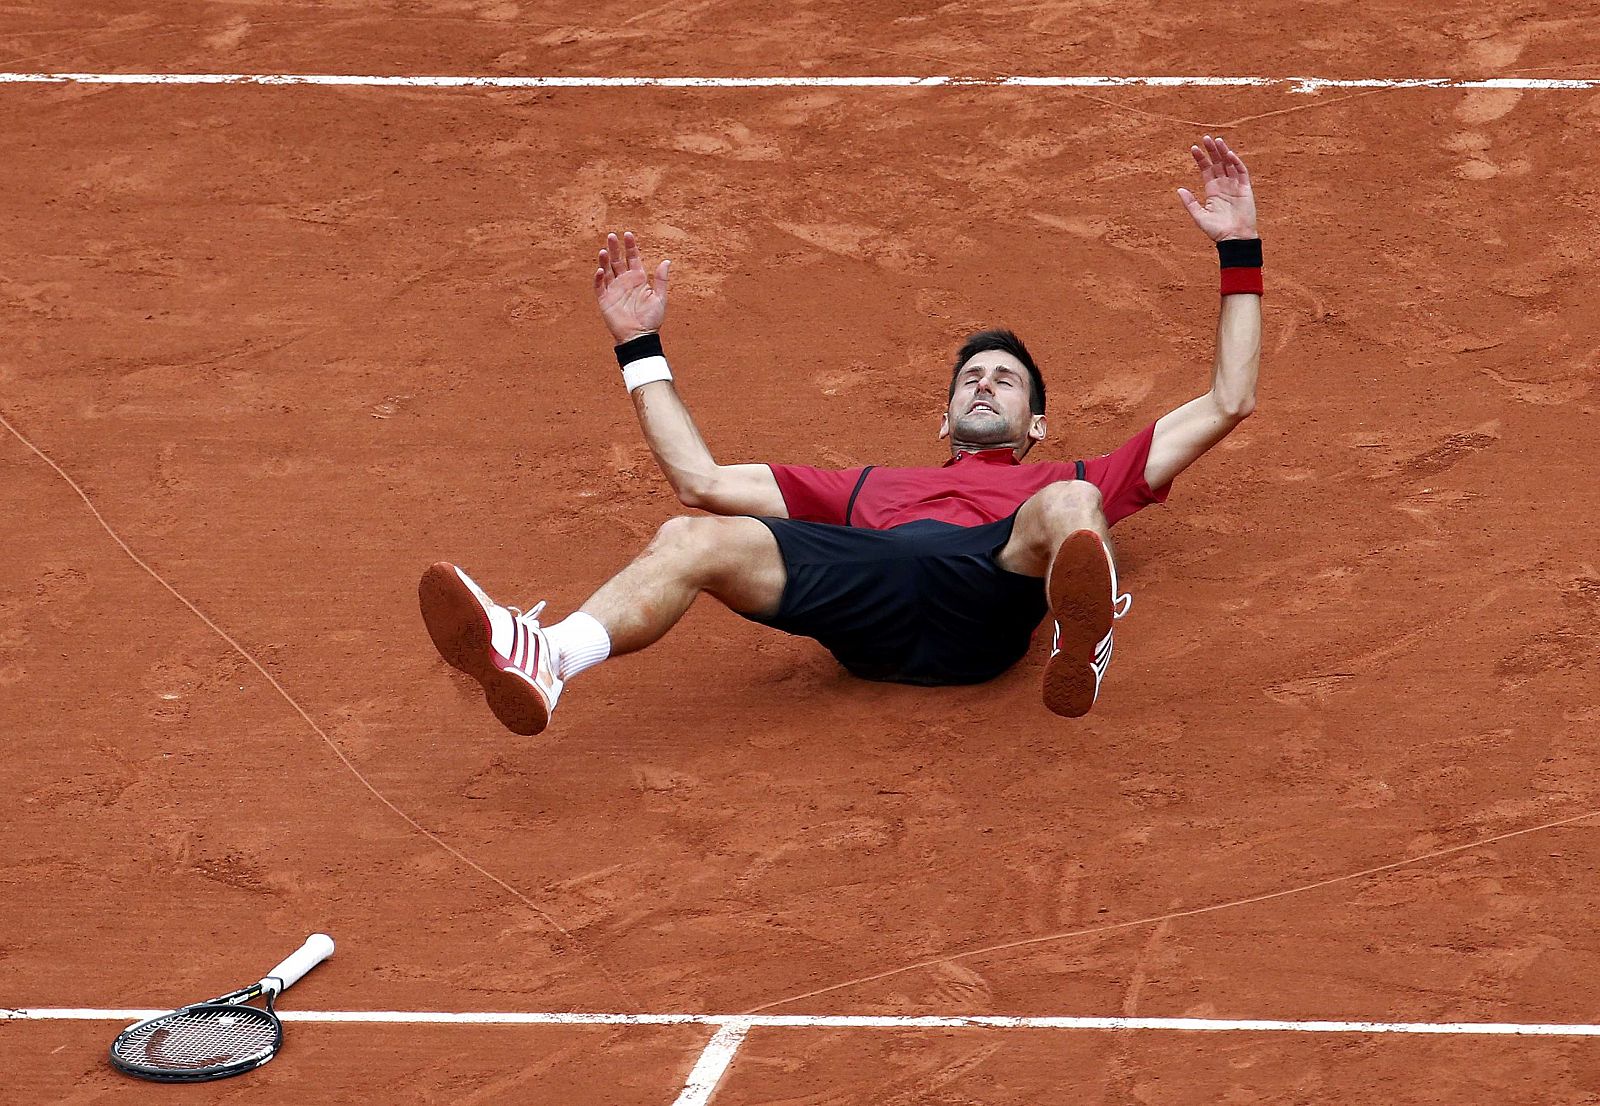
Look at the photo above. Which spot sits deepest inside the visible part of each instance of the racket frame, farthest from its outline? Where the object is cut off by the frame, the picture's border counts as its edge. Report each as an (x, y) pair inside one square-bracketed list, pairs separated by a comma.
[(317, 948), (234, 1000)]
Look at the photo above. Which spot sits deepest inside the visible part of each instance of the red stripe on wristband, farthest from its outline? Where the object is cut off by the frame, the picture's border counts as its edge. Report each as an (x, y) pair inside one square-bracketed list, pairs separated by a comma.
[(1235, 281)]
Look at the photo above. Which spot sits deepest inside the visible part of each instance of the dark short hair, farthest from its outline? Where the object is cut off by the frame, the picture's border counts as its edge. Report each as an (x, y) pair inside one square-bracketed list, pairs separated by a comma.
[(1005, 341)]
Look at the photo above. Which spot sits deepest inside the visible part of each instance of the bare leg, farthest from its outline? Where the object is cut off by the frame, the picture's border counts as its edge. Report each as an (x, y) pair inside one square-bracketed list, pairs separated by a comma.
[(734, 559), (1044, 522)]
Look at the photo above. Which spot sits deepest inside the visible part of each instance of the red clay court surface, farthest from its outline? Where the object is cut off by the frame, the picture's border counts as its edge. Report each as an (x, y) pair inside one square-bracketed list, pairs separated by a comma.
[(297, 343)]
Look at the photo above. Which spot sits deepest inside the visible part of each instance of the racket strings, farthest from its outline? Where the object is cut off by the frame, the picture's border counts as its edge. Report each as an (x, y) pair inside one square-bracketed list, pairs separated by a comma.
[(195, 1039)]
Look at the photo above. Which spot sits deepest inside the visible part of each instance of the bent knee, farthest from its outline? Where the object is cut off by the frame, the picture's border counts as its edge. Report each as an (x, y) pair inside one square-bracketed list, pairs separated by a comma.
[(736, 559), (712, 539), (682, 530), (1068, 495)]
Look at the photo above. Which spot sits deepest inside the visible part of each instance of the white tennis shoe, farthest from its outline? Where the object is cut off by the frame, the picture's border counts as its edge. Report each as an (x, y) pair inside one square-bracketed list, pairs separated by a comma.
[(502, 648), (1084, 602)]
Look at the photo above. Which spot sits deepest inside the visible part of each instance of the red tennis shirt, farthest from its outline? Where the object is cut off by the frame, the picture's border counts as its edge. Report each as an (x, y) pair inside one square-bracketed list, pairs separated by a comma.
[(969, 489)]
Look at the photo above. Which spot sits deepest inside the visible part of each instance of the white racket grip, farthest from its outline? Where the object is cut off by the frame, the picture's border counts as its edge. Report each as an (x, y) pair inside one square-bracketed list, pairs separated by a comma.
[(318, 947)]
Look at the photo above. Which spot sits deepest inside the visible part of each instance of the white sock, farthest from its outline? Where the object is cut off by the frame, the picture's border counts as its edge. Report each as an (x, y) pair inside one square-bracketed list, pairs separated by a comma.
[(579, 642)]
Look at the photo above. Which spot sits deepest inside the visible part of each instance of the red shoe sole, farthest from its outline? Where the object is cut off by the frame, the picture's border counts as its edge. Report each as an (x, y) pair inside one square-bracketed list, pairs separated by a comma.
[(516, 702), (456, 621), (1079, 590), (460, 631)]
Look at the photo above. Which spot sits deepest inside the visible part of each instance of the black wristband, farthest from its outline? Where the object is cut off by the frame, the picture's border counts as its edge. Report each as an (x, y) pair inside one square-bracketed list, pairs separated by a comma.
[(637, 349), (1239, 253)]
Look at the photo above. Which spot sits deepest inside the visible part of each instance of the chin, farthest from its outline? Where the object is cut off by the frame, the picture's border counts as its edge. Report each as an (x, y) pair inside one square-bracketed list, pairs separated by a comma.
[(986, 432)]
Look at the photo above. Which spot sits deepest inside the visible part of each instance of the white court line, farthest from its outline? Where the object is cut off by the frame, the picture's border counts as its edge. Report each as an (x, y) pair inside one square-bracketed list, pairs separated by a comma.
[(851, 1021), (713, 1064), (1291, 84)]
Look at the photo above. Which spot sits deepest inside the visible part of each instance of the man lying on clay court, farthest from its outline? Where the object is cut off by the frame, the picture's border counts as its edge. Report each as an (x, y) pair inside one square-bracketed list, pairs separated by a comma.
[(933, 575)]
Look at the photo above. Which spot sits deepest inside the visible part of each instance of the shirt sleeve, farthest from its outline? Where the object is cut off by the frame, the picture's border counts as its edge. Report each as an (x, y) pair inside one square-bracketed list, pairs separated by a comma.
[(816, 495), (1120, 477)]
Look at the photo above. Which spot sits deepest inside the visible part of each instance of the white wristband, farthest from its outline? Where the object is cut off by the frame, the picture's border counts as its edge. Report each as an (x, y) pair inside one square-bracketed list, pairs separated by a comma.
[(646, 370)]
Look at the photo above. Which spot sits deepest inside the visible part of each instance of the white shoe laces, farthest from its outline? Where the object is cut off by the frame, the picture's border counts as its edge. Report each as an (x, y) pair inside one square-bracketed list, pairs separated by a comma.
[(532, 617), (1121, 605)]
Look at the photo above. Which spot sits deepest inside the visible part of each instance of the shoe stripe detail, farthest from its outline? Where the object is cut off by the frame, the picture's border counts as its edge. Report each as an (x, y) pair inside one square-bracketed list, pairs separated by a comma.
[(520, 648), (532, 667), (1102, 659), (526, 648), (530, 645)]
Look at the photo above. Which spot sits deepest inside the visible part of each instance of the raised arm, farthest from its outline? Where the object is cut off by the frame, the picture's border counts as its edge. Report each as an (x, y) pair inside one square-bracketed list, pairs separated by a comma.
[(633, 303), (1228, 213)]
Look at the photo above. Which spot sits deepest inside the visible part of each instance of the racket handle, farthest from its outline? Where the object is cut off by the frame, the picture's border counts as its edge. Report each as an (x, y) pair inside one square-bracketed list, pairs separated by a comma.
[(318, 947)]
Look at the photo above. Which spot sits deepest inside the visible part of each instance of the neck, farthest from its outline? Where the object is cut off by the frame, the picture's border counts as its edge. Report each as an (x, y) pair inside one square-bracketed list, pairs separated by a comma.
[(958, 447)]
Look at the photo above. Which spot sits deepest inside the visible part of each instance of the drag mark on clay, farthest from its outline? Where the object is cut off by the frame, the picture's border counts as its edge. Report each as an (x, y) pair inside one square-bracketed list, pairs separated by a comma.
[(1118, 1077), (309, 721), (1448, 453)]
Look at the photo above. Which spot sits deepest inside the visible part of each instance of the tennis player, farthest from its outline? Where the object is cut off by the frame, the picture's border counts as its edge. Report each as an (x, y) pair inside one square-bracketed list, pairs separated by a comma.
[(932, 575)]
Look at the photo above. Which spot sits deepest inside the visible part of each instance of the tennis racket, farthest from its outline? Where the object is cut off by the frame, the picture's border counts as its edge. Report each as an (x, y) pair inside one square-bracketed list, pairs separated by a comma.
[(219, 1037)]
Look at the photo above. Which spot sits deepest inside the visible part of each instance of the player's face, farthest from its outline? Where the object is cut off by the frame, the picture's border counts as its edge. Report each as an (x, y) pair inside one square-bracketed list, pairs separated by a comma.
[(990, 405)]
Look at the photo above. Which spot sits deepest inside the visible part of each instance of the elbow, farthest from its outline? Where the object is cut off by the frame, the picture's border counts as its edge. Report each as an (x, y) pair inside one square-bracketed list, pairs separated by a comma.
[(1236, 408), (1241, 409), (694, 492)]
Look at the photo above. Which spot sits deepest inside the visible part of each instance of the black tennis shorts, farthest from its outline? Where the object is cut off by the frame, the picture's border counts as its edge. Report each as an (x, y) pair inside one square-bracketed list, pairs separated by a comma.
[(923, 603)]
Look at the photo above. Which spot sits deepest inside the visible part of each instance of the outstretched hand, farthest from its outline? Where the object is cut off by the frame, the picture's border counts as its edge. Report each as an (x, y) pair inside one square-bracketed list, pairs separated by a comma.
[(632, 301), (1229, 209)]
